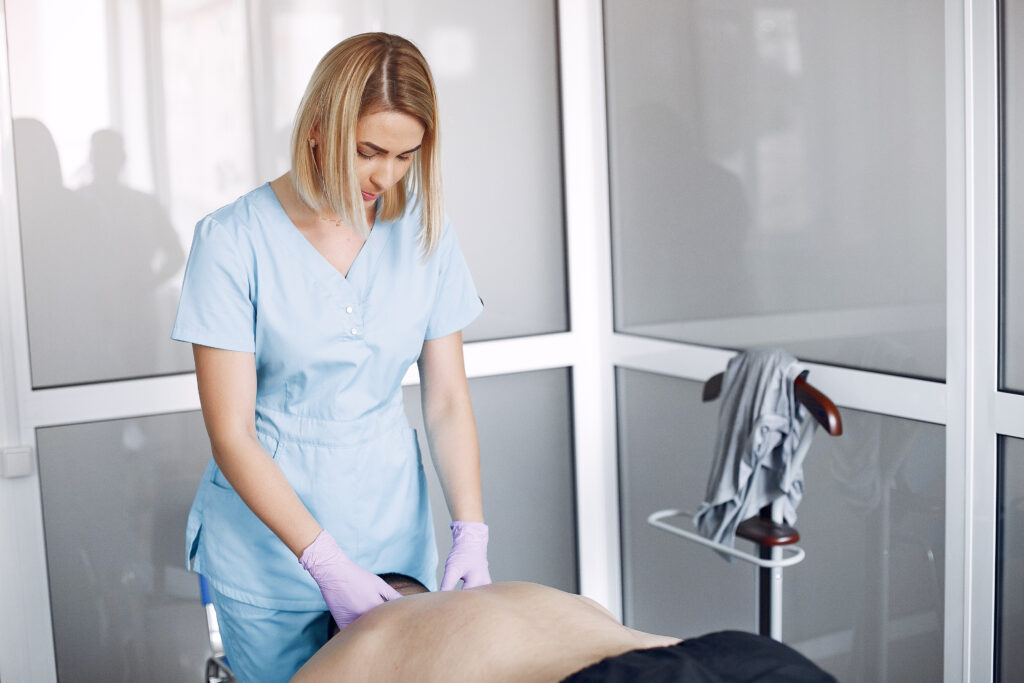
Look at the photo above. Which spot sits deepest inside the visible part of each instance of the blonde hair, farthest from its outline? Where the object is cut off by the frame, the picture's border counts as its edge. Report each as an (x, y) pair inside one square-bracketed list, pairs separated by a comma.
[(366, 74)]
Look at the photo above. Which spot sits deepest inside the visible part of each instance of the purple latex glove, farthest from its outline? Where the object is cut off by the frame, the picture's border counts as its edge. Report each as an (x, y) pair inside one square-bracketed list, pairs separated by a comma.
[(349, 590), (468, 557)]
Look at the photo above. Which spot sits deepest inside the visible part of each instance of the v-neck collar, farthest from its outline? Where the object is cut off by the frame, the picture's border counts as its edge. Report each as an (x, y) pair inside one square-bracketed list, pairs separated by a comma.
[(362, 265)]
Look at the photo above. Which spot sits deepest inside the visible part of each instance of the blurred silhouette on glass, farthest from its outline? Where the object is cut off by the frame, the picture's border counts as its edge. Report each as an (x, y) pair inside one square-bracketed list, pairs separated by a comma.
[(141, 254), (94, 263), (58, 230)]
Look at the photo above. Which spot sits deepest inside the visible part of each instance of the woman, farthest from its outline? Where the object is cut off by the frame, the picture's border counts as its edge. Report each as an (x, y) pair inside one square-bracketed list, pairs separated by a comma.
[(306, 301)]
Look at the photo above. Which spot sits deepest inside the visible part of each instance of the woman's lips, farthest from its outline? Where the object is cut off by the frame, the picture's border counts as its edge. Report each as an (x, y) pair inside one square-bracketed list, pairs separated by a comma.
[(369, 197)]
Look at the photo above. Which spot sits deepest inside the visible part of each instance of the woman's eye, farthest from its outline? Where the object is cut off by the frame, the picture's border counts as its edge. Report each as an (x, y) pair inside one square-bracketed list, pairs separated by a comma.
[(364, 156), (408, 158)]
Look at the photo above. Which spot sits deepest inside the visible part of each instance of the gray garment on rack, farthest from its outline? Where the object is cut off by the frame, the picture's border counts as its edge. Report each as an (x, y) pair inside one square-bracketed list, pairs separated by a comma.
[(763, 435)]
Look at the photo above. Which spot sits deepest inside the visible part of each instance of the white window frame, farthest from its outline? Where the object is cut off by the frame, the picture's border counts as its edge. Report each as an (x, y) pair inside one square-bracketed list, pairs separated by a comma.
[(968, 404)]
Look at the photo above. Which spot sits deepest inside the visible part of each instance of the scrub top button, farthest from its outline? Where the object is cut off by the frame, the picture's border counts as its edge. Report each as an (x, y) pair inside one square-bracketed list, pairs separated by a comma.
[(348, 309), (355, 330)]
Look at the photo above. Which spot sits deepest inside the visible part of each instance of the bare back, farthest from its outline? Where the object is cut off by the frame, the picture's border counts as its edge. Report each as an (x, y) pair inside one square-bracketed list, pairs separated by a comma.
[(501, 632)]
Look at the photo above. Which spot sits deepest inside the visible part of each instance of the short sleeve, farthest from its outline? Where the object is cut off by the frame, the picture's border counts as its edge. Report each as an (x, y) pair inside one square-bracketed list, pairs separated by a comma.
[(456, 303), (216, 308)]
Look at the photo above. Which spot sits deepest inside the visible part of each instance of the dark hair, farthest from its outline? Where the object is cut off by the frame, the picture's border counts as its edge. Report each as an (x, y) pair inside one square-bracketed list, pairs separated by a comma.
[(396, 581)]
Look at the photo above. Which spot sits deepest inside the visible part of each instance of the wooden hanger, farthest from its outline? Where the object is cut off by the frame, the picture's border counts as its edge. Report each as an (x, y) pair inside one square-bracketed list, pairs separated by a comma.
[(821, 406)]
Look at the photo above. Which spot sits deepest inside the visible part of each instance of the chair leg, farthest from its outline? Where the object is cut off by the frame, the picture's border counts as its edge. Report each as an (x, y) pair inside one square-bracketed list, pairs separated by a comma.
[(218, 672)]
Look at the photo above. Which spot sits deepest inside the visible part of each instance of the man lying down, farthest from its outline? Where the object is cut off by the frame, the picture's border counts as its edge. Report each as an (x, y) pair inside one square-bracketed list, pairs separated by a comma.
[(526, 632)]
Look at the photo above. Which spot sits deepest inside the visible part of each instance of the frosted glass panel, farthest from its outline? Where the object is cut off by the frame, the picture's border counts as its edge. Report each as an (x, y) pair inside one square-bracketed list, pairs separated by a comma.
[(526, 459), (672, 586), (496, 69), (1010, 563), (1012, 196), (114, 166), (778, 177), (866, 604), (126, 134), (115, 498)]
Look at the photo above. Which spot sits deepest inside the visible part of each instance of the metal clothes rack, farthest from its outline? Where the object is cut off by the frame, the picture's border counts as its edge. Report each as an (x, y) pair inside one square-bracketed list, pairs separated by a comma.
[(774, 539)]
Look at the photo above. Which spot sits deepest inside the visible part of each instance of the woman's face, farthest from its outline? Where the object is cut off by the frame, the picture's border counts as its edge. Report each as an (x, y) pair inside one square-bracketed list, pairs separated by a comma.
[(385, 143)]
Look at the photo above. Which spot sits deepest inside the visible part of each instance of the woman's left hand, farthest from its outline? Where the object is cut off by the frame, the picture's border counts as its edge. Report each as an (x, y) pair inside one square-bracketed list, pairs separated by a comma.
[(468, 558)]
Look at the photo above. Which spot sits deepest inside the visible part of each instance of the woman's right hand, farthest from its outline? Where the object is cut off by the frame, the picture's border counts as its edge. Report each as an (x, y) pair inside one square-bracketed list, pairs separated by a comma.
[(349, 590)]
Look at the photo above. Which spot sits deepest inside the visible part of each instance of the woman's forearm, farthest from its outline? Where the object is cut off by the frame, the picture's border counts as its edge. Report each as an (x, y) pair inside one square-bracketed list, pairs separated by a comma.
[(451, 433), (227, 392), (262, 485)]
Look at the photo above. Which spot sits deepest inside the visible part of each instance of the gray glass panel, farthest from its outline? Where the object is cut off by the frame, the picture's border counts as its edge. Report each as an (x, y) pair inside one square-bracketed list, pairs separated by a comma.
[(778, 177), (115, 499), (496, 70), (503, 161), (1010, 565), (526, 456), (670, 585), (120, 149), (120, 146), (866, 603), (1012, 198)]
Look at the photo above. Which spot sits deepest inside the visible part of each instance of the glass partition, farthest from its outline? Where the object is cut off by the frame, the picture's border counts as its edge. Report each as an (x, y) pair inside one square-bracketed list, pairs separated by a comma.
[(778, 177), (669, 585), (1011, 199), (1010, 562), (104, 226), (496, 69), (115, 497), (866, 603), (122, 148), (526, 455)]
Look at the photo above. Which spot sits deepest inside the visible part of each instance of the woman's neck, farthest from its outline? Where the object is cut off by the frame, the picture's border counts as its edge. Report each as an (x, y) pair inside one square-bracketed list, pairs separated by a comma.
[(302, 214)]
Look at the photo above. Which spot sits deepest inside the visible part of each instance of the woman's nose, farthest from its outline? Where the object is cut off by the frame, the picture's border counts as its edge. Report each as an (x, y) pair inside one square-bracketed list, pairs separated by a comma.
[(383, 175)]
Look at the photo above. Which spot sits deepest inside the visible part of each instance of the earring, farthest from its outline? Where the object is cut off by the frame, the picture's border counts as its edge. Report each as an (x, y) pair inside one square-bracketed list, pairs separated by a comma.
[(312, 142)]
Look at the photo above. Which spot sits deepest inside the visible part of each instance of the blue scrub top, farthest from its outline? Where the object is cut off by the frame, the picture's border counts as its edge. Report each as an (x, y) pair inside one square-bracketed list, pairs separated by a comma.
[(330, 353)]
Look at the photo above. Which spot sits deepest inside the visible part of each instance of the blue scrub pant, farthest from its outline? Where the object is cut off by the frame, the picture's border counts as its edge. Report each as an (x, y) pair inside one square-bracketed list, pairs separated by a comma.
[(267, 645)]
